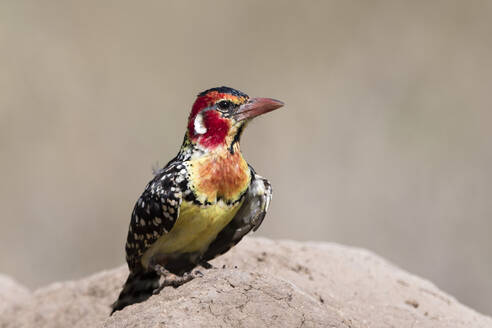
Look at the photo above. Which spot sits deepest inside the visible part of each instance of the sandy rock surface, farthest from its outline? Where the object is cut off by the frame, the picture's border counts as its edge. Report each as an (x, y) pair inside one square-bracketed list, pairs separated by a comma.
[(12, 294), (264, 284)]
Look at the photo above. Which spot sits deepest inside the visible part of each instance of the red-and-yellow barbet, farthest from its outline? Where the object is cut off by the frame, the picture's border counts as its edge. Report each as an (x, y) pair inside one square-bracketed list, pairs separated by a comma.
[(202, 202)]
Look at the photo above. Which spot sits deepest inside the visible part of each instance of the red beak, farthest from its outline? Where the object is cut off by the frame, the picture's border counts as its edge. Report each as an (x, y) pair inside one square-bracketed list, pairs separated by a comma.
[(255, 107)]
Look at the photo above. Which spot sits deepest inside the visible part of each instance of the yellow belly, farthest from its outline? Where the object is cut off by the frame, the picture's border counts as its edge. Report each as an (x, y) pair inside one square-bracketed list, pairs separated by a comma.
[(194, 230)]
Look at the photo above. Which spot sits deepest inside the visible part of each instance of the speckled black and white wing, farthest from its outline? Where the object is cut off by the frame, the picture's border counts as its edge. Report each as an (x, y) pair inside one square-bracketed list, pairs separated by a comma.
[(249, 217), (154, 215), (155, 212)]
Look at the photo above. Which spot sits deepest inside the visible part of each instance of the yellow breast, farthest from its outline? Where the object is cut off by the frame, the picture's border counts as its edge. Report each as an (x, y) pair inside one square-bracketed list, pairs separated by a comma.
[(194, 230)]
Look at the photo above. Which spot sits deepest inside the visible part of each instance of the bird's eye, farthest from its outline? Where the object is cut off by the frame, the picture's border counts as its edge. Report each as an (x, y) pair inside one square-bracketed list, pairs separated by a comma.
[(224, 105)]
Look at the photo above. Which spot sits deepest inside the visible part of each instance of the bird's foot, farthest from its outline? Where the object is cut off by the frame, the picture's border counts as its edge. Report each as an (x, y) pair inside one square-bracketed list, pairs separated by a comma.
[(166, 274), (182, 280), (170, 279), (179, 281), (161, 271), (175, 282)]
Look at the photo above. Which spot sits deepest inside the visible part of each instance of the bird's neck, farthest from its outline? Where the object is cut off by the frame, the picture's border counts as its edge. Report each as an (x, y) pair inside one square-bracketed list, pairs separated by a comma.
[(192, 149)]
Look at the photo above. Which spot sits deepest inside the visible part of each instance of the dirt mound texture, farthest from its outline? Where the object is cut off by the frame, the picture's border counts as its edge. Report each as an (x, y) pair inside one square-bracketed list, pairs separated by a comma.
[(260, 283)]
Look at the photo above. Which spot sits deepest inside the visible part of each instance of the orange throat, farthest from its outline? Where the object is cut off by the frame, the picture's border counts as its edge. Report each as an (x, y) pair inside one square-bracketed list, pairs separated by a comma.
[(220, 175)]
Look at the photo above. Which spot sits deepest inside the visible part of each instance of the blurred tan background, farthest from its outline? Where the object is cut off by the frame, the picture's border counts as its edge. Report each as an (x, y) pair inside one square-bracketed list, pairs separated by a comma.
[(385, 141)]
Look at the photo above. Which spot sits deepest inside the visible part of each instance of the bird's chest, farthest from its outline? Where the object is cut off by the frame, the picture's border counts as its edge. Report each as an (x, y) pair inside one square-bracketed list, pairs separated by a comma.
[(222, 176)]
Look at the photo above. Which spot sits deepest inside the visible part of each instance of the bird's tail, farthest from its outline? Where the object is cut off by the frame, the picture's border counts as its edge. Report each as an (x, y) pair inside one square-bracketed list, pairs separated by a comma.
[(138, 287)]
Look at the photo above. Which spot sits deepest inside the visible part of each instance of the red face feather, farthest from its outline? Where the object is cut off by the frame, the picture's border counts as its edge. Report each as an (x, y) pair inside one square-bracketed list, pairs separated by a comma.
[(200, 104), (217, 127), (217, 130)]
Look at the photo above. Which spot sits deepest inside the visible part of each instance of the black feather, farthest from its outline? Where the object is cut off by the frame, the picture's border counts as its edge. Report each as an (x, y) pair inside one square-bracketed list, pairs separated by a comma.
[(224, 89)]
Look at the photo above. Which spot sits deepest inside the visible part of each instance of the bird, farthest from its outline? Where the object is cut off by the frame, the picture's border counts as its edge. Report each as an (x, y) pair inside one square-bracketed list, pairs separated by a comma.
[(202, 203)]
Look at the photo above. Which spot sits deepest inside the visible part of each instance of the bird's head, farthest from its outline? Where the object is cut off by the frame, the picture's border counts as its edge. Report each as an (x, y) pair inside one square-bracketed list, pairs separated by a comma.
[(219, 115)]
